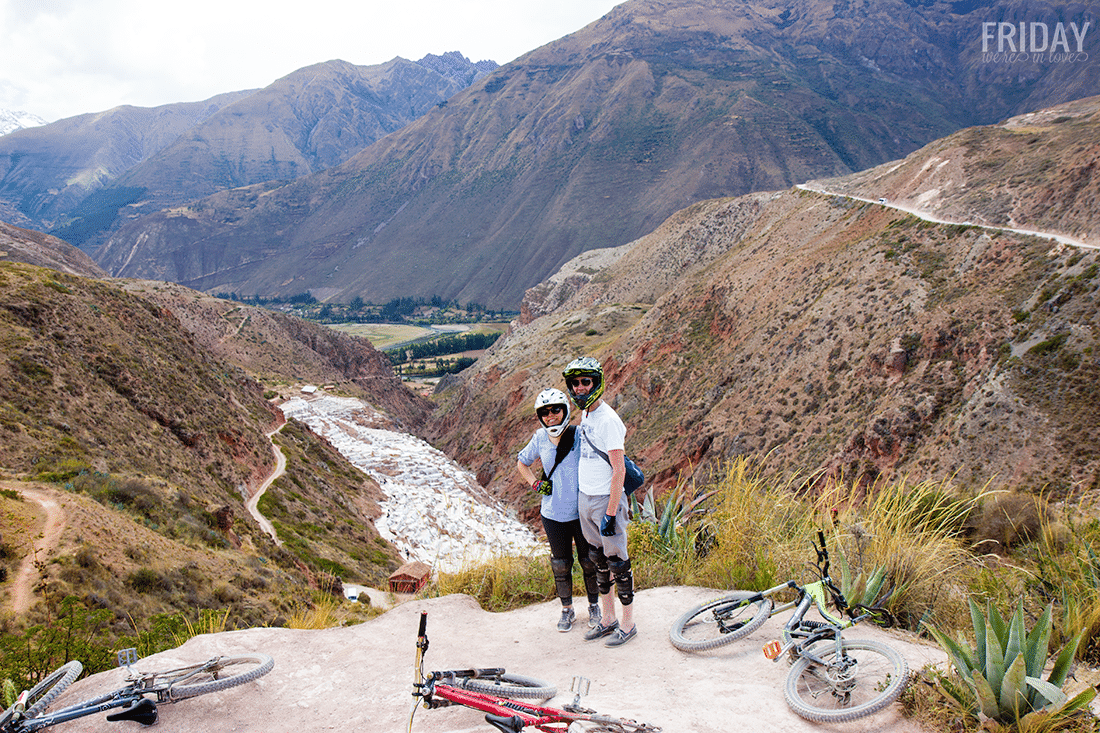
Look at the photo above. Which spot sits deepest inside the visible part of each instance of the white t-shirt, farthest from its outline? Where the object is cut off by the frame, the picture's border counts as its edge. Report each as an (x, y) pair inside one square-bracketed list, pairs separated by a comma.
[(606, 431)]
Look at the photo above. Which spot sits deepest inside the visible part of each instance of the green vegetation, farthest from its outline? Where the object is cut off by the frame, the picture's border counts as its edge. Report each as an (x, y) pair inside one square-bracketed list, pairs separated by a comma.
[(420, 311), (1000, 676)]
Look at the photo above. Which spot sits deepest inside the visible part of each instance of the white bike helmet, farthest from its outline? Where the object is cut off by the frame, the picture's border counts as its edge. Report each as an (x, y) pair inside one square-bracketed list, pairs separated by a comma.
[(549, 397)]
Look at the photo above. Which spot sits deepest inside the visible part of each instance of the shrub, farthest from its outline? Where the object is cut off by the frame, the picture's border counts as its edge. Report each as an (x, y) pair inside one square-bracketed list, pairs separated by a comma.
[(145, 580)]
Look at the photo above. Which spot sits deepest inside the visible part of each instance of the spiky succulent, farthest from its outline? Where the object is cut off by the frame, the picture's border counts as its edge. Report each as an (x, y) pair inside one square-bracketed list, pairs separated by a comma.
[(1002, 672)]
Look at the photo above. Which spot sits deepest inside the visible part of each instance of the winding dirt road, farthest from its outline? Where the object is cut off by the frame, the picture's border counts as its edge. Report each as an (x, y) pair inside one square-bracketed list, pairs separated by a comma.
[(253, 501), (926, 216)]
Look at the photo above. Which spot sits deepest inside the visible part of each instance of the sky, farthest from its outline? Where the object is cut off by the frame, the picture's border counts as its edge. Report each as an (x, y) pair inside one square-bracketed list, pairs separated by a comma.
[(60, 58)]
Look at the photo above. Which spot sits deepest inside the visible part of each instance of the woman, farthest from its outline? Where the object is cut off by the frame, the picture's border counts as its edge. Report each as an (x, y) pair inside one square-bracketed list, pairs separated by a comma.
[(554, 445)]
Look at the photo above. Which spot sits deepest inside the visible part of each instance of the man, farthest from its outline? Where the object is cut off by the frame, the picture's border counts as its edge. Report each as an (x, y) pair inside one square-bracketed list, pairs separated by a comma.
[(602, 502)]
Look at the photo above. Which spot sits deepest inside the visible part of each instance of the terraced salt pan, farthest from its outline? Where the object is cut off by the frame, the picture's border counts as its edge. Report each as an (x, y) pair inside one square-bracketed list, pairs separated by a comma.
[(435, 510)]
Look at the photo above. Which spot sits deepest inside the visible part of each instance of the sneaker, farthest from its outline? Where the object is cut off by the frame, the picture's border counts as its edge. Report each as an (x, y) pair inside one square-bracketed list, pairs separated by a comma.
[(594, 615), (566, 621), (601, 631), (621, 637)]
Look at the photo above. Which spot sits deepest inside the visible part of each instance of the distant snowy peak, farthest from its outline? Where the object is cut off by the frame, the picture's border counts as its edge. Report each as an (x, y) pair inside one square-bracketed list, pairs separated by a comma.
[(454, 65), (11, 121)]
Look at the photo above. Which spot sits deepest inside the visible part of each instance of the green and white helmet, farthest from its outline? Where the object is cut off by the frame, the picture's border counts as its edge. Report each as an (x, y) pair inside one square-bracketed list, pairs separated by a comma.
[(548, 398), (586, 366)]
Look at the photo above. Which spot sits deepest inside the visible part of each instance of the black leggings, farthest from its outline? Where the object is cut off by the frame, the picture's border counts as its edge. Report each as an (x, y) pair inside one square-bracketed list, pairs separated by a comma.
[(562, 536)]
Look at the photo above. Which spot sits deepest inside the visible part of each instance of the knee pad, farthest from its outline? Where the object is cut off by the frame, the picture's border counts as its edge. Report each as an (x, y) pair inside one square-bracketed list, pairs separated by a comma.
[(624, 579), (603, 573), (563, 578), (588, 571)]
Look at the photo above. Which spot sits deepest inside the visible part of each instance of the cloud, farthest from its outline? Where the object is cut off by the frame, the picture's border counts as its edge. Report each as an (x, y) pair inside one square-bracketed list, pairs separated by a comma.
[(65, 57)]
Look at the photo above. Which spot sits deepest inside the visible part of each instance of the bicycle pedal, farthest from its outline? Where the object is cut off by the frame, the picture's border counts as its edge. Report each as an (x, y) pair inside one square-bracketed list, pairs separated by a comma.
[(127, 657), (580, 685), (772, 650)]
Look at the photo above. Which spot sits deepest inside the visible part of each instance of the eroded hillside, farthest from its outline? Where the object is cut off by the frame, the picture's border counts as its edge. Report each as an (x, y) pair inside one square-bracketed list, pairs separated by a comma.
[(151, 437), (825, 333)]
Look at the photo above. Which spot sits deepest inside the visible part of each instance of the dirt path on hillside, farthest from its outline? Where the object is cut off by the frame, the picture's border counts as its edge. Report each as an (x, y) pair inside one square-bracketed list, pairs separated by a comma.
[(359, 678), (253, 503), (22, 590), (926, 216)]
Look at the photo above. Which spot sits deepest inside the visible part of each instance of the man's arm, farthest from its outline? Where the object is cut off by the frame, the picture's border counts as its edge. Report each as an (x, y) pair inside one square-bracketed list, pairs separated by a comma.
[(618, 475)]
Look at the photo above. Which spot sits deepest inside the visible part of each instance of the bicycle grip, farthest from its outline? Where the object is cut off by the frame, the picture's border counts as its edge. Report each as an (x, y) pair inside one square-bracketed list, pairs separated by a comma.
[(423, 623)]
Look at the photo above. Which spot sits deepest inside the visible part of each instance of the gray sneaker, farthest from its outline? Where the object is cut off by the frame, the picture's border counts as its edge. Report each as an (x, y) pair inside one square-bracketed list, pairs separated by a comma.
[(566, 621), (621, 637), (594, 615), (601, 631)]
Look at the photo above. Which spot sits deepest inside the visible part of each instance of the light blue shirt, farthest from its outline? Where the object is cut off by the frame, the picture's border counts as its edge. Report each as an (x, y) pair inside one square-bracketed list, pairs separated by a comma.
[(561, 506)]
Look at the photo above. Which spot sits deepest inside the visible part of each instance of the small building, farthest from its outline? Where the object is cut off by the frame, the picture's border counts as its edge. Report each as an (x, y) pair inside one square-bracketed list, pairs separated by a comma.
[(309, 389), (410, 577)]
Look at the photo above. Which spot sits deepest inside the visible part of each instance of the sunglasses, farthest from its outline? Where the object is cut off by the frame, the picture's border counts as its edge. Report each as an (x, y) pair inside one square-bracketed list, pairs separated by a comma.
[(550, 410), (581, 382)]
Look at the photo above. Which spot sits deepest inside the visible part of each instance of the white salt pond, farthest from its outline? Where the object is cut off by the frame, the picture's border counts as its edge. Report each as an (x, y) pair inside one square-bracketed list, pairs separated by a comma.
[(435, 511)]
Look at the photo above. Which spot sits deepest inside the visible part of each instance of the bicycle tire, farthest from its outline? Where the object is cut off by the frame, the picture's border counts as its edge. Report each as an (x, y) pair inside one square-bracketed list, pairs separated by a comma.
[(199, 679), (879, 678), (509, 685), (699, 630), (52, 685)]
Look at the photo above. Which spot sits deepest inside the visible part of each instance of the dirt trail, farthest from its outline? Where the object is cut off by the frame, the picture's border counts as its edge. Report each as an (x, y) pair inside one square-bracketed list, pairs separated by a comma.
[(22, 591), (926, 216), (254, 500)]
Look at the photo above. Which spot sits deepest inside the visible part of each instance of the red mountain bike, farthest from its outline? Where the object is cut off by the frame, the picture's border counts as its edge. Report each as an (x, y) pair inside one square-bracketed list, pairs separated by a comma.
[(494, 692)]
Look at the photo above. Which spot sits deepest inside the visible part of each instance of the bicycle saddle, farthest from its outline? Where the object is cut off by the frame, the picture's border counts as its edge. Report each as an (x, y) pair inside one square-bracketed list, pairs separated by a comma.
[(143, 711), (505, 724)]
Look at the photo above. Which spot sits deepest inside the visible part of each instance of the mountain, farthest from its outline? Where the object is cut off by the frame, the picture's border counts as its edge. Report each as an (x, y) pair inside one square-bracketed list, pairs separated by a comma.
[(828, 336), (36, 248), (49, 170), (76, 177), (10, 121), (593, 140)]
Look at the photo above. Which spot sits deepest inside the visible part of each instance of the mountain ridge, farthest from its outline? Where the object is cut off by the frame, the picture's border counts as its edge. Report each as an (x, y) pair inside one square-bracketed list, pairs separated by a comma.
[(593, 140), (825, 336), (75, 177)]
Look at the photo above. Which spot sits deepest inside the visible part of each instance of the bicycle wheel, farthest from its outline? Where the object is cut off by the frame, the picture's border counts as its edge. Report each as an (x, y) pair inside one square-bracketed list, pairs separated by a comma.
[(509, 685), (219, 673), (46, 691), (865, 678), (720, 621)]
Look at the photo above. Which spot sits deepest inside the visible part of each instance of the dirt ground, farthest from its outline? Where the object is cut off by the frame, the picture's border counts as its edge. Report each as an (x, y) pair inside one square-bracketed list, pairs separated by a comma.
[(359, 678)]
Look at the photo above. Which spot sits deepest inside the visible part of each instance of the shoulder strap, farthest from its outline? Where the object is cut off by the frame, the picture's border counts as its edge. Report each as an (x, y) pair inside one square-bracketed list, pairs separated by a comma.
[(600, 452), (564, 446)]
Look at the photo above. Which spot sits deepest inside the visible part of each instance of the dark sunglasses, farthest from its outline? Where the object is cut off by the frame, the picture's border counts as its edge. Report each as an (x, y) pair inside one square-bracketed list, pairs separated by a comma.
[(581, 382), (551, 409)]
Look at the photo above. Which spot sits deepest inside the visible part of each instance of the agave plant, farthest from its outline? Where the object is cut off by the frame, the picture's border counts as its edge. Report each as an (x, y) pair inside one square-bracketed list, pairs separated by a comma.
[(1002, 672), (860, 587), (679, 507)]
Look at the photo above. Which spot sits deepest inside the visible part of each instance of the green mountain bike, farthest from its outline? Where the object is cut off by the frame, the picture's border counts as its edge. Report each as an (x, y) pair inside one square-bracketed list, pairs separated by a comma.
[(832, 679)]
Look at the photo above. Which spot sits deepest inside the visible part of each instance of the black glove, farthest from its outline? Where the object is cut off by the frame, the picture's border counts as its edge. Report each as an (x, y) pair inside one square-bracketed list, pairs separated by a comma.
[(607, 526)]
